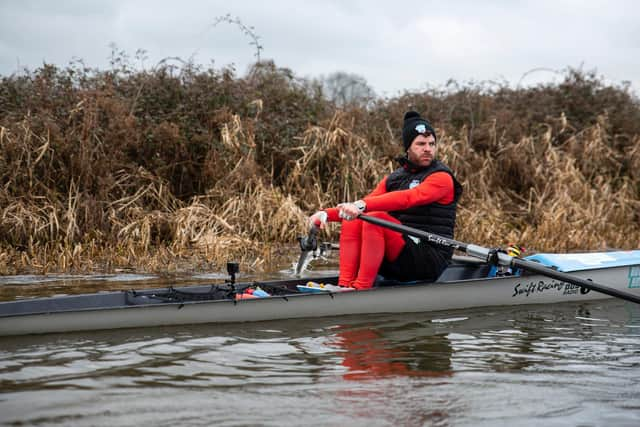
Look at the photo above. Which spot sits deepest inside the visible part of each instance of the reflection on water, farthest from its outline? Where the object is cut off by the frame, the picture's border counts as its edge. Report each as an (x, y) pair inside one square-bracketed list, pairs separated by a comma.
[(368, 354), (565, 364)]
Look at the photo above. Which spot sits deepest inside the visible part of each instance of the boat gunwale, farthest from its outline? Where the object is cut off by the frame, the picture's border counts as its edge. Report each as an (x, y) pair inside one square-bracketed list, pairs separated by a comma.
[(386, 288)]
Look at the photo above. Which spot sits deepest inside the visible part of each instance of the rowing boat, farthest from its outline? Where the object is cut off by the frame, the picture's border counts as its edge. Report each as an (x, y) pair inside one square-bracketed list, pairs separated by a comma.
[(466, 283)]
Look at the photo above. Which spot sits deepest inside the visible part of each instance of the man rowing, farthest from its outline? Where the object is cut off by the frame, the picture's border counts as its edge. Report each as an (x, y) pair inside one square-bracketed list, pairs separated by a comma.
[(422, 193)]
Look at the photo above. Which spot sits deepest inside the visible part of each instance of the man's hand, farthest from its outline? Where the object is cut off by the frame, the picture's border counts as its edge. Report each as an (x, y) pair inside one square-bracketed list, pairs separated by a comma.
[(351, 211), (318, 219)]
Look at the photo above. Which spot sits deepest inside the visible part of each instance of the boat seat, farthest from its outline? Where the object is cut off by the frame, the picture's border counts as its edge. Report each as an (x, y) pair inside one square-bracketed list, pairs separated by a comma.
[(464, 271), (385, 281), (458, 269)]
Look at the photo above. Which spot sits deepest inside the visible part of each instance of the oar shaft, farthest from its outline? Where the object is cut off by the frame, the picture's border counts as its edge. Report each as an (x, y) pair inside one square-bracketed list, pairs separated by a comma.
[(501, 258), (433, 238), (470, 249)]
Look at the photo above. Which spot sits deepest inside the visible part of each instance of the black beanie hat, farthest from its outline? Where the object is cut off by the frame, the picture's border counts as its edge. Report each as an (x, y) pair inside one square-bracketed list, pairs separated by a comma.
[(413, 126)]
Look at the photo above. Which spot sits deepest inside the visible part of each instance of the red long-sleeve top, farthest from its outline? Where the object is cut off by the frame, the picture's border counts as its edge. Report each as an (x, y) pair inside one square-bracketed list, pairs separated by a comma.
[(436, 188)]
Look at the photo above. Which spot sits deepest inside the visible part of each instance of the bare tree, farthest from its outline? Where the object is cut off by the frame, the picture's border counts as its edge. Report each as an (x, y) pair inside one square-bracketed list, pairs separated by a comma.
[(346, 89)]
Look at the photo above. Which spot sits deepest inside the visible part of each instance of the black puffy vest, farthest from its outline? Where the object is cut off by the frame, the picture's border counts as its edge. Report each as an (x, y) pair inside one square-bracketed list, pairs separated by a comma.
[(434, 217)]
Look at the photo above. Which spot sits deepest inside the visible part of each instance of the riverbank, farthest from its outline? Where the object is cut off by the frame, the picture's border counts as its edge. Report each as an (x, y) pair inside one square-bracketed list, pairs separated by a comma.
[(187, 168)]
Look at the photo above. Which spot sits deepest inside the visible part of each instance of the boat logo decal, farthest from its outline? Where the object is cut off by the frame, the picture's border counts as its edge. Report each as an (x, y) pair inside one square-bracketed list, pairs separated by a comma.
[(540, 286), (634, 276)]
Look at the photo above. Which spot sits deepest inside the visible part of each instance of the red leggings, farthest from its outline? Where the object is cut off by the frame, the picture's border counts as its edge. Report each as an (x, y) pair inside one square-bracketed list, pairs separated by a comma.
[(363, 246)]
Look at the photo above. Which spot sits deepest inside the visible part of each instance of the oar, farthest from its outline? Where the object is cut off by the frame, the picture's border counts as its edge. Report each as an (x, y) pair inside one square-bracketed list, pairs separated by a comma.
[(501, 258)]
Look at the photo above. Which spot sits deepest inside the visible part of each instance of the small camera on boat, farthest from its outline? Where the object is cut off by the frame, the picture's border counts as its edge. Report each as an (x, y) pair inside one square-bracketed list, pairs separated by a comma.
[(233, 268)]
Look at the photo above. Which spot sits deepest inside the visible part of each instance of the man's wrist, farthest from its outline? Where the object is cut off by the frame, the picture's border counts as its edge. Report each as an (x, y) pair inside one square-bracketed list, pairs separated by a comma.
[(361, 205)]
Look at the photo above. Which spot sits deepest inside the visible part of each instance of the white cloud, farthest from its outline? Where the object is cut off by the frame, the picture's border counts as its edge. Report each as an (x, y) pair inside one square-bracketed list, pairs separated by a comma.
[(395, 46)]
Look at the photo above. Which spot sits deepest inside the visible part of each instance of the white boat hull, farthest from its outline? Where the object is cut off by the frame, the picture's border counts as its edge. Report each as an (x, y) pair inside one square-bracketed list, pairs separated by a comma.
[(510, 290)]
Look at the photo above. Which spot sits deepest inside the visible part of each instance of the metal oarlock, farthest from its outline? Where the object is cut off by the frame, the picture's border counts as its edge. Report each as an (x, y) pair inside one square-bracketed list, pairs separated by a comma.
[(310, 241)]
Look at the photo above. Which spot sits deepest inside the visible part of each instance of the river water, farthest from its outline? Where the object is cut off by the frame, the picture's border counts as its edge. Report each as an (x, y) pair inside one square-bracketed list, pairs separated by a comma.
[(555, 365)]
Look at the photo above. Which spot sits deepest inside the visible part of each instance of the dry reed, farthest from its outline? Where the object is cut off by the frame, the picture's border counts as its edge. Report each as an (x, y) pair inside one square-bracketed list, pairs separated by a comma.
[(105, 175)]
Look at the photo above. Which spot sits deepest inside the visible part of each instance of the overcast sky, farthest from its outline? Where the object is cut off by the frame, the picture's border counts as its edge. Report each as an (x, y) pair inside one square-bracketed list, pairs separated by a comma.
[(394, 45)]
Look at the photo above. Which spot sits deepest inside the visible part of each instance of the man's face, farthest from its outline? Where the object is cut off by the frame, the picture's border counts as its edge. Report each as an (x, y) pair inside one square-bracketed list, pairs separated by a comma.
[(422, 150)]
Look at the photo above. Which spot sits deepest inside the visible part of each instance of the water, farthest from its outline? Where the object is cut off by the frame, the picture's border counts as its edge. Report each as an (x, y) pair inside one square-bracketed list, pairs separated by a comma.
[(554, 365)]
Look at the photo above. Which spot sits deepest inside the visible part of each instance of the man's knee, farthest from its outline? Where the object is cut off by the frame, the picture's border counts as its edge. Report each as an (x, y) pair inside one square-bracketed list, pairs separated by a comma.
[(351, 228)]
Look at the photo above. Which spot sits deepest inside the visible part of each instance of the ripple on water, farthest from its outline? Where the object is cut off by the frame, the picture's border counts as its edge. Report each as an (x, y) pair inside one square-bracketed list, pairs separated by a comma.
[(552, 365)]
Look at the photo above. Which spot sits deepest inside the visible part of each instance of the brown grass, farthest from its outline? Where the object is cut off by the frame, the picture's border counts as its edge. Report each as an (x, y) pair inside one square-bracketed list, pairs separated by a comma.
[(165, 172)]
